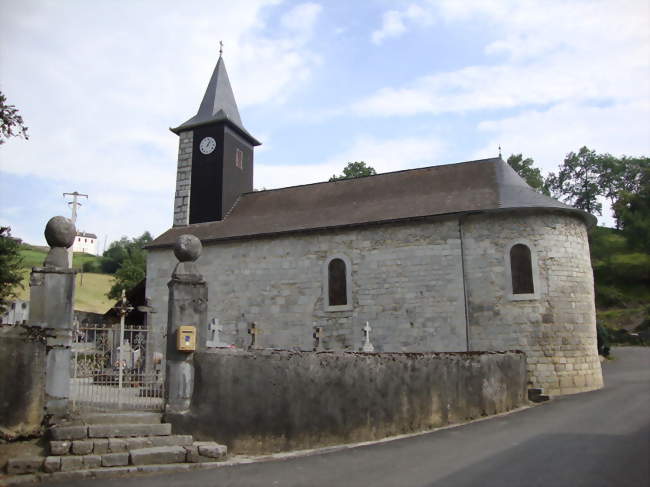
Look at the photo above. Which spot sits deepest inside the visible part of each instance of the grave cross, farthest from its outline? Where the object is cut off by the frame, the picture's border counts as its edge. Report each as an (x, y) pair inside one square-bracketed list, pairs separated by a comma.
[(318, 334), (367, 346), (253, 331), (215, 328), (123, 309)]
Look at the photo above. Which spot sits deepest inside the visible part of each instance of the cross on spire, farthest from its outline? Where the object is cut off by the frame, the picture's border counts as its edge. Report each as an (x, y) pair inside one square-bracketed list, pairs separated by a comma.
[(220, 48)]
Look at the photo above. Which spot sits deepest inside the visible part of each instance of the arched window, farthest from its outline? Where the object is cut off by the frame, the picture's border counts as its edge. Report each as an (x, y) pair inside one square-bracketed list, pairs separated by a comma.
[(336, 284), (521, 269)]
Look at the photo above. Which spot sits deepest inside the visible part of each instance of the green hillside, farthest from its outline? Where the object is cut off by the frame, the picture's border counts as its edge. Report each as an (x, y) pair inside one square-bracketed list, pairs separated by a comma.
[(622, 284), (91, 288)]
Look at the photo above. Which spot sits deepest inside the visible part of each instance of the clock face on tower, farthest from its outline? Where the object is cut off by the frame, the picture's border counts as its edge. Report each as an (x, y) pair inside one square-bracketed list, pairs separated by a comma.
[(207, 145)]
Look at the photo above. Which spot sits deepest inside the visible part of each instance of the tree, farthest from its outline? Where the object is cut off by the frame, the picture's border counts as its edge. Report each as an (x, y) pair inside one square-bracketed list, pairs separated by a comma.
[(577, 182), (131, 259), (528, 172), (355, 169), (632, 210), (11, 123), (10, 267)]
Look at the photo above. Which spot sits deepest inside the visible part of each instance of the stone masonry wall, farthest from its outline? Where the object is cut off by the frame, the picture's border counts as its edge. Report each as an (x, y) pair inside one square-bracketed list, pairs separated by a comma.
[(183, 179), (22, 381), (557, 329), (268, 401), (406, 281)]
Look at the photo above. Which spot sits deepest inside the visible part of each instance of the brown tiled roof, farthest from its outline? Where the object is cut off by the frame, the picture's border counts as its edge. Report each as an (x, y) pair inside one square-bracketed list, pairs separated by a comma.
[(484, 185)]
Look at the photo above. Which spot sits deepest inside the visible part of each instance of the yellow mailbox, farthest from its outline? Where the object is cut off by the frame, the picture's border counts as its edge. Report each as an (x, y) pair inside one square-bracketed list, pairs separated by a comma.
[(186, 338)]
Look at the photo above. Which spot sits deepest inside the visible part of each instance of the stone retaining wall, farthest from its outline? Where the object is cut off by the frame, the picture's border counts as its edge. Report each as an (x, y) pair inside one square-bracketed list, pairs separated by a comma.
[(267, 400), (22, 381)]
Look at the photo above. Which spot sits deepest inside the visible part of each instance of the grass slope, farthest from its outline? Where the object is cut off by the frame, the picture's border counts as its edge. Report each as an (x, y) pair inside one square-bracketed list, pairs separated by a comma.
[(91, 288), (622, 281)]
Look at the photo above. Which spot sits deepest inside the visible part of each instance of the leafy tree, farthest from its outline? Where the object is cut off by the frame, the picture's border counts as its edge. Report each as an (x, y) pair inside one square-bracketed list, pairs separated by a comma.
[(632, 210), (528, 172), (132, 263), (577, 182), (11, 123), (355, 169), (621, 177), (10, 267)]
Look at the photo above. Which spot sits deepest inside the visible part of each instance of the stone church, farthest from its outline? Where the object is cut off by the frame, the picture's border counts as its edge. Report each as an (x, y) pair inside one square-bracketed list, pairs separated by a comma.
[(447, 258)]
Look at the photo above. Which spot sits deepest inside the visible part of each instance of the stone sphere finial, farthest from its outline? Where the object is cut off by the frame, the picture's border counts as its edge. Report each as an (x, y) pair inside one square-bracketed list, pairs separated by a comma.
[(60, 232), (187, 248)]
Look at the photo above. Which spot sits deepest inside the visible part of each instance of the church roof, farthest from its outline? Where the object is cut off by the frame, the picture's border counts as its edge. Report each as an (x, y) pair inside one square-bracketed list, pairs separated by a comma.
[(476, 186), (218, 105)]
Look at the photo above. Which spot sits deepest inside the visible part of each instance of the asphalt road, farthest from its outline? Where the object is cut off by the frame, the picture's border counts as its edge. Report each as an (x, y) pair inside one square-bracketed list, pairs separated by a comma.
[(599, 438)]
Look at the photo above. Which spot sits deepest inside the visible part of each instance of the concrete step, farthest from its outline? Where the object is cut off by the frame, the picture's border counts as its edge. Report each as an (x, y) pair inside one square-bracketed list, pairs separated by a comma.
[(100, 446), (122, 417), (196, 452), (537, 395), (123, 430)]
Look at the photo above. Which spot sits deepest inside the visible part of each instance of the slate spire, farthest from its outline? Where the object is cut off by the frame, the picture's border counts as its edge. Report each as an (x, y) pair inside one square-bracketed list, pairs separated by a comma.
[(218, 105)]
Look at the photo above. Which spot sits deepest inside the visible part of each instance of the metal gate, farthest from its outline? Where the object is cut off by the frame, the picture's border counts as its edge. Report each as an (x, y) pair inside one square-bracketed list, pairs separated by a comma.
[(112, 369)]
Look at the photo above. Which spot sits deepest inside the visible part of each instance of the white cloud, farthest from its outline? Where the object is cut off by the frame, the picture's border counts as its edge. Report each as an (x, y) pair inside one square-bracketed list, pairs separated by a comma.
[(535, 132), (394, 22), (542, 53), (302, 18), (384, 155)]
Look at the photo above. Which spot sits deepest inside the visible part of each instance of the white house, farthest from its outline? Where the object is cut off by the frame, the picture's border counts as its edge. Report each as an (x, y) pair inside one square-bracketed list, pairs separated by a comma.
[(85, 242)]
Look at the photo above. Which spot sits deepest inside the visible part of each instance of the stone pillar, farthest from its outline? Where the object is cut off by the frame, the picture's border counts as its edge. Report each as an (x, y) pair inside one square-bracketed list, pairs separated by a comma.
[(52, 309), (188, 305)]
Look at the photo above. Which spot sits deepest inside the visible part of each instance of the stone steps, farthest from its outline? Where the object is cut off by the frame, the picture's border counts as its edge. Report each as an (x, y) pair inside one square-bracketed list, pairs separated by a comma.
[(102, 441), (196, 452), (100, 446)]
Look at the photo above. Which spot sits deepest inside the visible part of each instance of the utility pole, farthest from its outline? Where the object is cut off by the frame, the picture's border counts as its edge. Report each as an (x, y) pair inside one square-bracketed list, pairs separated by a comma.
[(74, 203)]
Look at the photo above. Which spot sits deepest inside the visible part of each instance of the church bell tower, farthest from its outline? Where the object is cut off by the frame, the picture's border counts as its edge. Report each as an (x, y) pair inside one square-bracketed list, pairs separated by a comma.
[(215, 156)]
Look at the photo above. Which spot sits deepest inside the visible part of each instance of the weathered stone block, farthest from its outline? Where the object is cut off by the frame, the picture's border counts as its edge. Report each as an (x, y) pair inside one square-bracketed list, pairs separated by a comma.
[(211, 449), (60, 447), (115, 459), (23, 465), (69, 433), (123, 430), (158, 455), (172, 440), (82, 447), (193, 456), (70, 463), (137, 443), (100, 445), (52, 464), (92, 461), (116, 445)]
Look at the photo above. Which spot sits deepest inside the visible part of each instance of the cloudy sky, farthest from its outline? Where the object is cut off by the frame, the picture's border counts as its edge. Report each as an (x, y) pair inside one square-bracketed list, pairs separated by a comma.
[(398, 84)]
